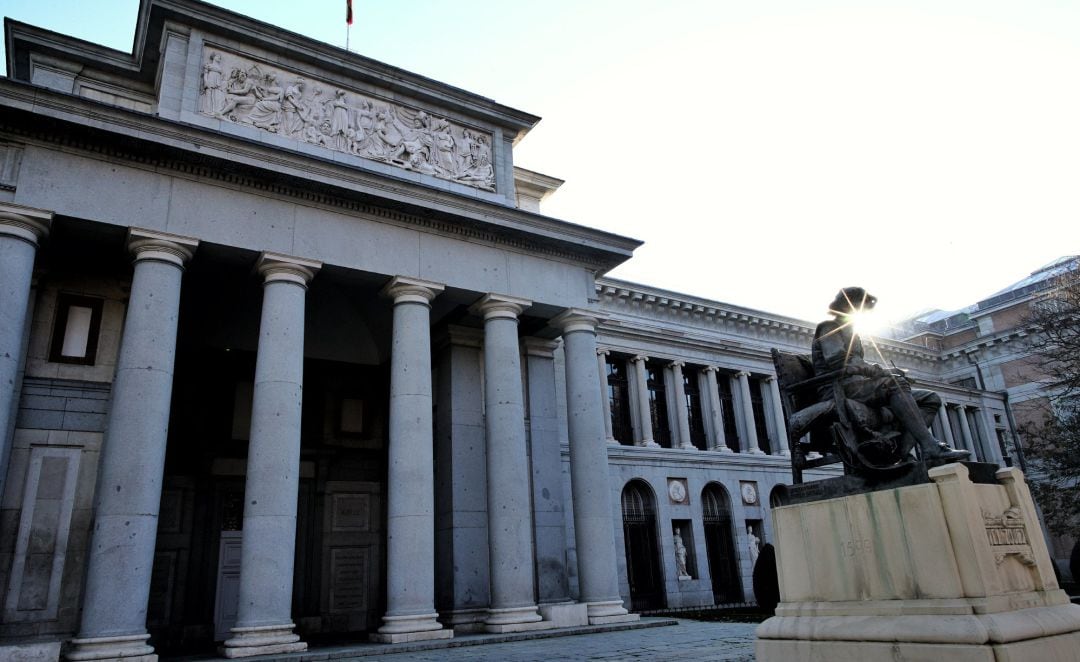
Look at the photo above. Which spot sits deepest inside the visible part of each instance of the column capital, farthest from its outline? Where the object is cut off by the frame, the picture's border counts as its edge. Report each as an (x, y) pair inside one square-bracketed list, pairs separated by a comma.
[(711, 368), (275, 267), (639, 358), (499, 306), (403, 289), (680, 364), (541, 347), (742, 373), (769, 379), (603, 352), (577, 319), (962, 407), (160, 246), (26, 223)]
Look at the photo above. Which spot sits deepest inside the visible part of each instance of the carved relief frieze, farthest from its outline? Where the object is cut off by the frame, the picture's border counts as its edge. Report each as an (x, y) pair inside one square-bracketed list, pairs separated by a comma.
[(275, 100)]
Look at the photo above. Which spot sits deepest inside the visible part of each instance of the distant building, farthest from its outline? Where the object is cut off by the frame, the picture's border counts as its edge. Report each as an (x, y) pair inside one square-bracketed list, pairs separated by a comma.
[(287, 350), (987, 345)]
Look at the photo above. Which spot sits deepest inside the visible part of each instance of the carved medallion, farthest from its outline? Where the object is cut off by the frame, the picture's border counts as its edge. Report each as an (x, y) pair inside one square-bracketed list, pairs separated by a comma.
[(677, 490), (278, 101)]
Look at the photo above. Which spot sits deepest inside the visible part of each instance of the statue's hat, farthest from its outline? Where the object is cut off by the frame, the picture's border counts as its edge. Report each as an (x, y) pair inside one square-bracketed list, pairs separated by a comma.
[(852, 298)]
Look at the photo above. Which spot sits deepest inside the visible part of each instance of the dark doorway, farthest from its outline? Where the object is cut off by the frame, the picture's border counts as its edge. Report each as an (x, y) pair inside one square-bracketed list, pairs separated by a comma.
[(642, 549), (720, 545)]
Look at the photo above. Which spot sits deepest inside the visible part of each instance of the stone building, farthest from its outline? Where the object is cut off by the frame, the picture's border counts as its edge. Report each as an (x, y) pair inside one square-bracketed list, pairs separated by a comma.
[(288, 351)]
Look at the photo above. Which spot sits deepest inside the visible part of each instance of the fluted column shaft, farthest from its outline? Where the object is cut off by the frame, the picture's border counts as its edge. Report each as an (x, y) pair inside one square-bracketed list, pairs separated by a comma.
[(778, 417), (589, 480), (751, 445), (410, 516), (641, 378), (605, 403), (264, 611), (21, 228), (682, 416), (716, 410), (509, 511), (121, 552)]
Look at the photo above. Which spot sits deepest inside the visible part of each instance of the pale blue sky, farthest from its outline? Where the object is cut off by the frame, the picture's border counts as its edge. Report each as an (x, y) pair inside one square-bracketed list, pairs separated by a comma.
[(931, 149)]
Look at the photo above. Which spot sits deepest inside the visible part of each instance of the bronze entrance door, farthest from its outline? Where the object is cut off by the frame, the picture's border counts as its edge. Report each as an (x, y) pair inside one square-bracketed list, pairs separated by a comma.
[(642, 549), (720, 545)]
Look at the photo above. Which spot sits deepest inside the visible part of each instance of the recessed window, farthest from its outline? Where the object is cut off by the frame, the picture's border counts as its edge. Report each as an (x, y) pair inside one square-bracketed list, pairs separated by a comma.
[(75, 334)]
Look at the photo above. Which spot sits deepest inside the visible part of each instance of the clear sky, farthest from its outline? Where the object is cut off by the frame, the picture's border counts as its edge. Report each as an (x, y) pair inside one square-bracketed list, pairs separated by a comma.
[(767, 152)]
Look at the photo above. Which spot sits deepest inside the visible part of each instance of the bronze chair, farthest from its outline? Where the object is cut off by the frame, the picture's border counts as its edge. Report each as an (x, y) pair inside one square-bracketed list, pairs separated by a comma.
[(840, 429)]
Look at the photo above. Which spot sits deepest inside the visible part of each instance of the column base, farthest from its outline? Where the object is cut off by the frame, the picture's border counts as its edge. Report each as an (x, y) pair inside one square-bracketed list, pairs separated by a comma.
[(612, 440), (688, 447), (416, 627), (129, 648), (722, 448), (609, 611), (648, 444), (262, 640)]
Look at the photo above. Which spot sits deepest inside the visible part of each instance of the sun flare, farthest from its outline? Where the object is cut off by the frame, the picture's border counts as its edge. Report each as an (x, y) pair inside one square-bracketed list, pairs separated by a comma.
[(867, 323)]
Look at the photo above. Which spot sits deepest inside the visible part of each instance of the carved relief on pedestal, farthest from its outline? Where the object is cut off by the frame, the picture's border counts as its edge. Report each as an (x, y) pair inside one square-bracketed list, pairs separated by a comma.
[(238, 90), (1008, 535)]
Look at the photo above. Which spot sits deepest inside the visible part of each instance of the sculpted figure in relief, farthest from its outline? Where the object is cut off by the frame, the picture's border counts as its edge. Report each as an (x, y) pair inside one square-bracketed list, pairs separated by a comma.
[(240, 94), (381, 131), (213, 86), (267, 111)]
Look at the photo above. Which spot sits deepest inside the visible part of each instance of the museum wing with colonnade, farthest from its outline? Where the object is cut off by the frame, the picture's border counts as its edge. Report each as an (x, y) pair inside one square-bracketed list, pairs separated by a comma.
[(288, 351)]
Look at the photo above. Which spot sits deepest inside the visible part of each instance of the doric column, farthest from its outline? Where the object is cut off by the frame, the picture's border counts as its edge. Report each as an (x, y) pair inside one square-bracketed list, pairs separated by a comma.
[(605, 403), (641, 378), (21, 228), (751, 445), (778, 417), (121, 551), (946, 427), (513, 603), (681, 415), (716, 411), (410, 516), (590, 483), (264, 611), (965, 430)]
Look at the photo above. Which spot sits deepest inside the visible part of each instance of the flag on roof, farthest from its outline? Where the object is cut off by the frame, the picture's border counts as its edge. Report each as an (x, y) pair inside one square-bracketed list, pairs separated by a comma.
[(348, 12)]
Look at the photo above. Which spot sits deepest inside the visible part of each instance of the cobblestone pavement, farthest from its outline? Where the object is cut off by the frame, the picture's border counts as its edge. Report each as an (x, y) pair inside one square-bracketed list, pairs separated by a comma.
[(689, 640)]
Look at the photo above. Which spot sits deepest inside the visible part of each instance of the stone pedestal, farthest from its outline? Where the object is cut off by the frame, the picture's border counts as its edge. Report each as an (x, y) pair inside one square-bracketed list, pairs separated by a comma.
[(950, 569)]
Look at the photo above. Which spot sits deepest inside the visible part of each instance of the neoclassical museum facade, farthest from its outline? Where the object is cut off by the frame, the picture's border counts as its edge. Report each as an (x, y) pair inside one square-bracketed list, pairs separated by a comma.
[(288, 352)]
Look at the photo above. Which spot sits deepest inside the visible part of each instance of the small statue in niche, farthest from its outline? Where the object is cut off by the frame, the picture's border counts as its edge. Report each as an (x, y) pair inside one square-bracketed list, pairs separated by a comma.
[(213, 85), (754, 543), (680, 556)]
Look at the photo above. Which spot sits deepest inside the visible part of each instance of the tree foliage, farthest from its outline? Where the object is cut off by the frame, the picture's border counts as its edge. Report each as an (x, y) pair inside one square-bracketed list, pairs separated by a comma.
[(1054, 442)]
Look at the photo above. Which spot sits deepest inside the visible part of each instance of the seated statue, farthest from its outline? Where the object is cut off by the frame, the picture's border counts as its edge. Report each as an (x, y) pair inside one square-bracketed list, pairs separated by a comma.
[(904, 413)]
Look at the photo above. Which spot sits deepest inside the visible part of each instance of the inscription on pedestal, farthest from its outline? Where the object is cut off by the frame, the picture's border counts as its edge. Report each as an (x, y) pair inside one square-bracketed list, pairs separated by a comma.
[(348, 579)]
